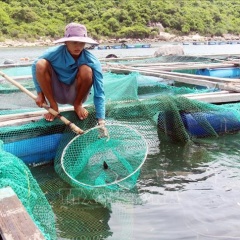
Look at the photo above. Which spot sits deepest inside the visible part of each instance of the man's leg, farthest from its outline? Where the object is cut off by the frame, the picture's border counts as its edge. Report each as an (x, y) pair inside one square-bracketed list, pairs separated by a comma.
[(84, 82), (43, 73)]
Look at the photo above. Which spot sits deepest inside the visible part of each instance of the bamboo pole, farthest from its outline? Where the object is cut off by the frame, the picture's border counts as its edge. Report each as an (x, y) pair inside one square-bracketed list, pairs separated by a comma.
[(50, 110)]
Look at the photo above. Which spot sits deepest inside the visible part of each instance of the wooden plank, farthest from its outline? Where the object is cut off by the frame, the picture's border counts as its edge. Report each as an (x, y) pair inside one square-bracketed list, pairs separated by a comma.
[(3, 66), (223, 55), (189, 78), (206, 94), (217, 98), (20, 121), (187, 66), (130, 63), (164, 64), (183, 67), (8, 117), (236, 63), (188, 75), (26, 77), (15, 222), (125, 58), (167, 76), (33, 114), (214, 79)]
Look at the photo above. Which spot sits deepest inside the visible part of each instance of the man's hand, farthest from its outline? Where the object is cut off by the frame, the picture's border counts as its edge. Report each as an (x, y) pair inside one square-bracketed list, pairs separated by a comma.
[(40, 100), (103, 132)]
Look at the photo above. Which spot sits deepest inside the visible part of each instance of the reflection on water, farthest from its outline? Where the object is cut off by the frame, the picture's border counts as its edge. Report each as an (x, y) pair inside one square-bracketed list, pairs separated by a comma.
[(190, 191), (185, 191)]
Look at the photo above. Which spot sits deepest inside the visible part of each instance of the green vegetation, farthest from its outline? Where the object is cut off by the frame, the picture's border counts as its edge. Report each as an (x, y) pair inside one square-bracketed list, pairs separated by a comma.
[(32, 19)]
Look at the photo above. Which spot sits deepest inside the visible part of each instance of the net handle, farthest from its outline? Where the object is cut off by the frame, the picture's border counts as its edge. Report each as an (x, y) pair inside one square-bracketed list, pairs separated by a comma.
[(73, 127)]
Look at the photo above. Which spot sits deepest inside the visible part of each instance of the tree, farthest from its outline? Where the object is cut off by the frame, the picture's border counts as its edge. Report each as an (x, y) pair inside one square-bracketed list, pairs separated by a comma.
[(4, 18), (24, 14), (118, 17)]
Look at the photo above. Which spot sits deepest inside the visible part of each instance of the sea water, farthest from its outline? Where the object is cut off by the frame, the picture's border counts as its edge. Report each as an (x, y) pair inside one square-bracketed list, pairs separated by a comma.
[(31, 53), (185, 191)]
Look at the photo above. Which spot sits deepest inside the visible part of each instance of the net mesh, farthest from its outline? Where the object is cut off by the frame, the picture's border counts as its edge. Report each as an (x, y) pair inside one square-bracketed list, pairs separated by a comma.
[(14, 173), (152, 106), (117, 86), (76, 215), (93, 161)]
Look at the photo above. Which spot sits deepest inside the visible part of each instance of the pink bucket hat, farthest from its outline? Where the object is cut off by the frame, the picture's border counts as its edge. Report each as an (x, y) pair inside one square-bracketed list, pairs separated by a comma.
[(77, 33)]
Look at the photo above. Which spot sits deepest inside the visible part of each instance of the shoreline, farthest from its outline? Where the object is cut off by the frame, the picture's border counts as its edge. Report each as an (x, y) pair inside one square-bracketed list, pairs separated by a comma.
[(163, 37)]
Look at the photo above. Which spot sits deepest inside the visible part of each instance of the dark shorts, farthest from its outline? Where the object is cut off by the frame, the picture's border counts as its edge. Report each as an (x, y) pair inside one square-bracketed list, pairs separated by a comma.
[(63, 93)]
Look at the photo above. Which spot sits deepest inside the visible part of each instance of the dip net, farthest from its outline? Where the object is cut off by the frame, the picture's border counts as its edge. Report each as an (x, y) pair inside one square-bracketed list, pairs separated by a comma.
[(92, 161)]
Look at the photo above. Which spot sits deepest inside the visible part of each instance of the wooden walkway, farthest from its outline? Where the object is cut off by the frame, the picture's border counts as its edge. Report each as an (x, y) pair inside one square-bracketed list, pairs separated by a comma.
[(15, 222), (165, 71)]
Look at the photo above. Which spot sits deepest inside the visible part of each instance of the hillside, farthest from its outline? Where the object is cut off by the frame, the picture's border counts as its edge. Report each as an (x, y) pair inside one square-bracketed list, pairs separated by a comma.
[(29, 20)]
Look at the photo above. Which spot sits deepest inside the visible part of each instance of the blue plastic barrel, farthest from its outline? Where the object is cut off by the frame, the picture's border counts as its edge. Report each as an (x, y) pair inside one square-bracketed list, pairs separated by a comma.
[(202, 124), (220, 72), (35, 150), (199, 124)]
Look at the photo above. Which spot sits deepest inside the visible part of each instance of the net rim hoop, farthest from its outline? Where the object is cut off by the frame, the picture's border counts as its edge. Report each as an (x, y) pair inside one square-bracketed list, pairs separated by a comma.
[(112, 183)]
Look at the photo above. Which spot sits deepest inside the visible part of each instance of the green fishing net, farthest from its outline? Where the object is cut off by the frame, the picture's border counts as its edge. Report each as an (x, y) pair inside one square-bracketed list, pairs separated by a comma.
[(90, 160), (151, 107), (117, 87), (14, 173)]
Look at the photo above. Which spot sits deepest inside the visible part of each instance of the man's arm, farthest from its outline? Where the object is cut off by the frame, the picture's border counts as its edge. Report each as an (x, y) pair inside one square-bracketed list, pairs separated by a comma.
[(99, 95), (34, 77)]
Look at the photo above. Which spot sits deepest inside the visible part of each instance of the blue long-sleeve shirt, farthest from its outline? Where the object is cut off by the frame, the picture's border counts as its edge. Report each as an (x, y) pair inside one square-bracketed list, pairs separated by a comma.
[(66, 69)]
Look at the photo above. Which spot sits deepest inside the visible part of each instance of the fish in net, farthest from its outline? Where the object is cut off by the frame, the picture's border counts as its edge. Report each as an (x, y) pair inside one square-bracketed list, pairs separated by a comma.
[(91, 161)]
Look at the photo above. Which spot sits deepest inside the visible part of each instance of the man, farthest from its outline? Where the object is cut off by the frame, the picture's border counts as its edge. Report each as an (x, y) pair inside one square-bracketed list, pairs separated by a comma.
[(65, 74)]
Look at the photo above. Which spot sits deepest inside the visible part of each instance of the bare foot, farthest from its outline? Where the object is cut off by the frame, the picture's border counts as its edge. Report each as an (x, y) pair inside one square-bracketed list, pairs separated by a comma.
[(49, 117), (81, 112)]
